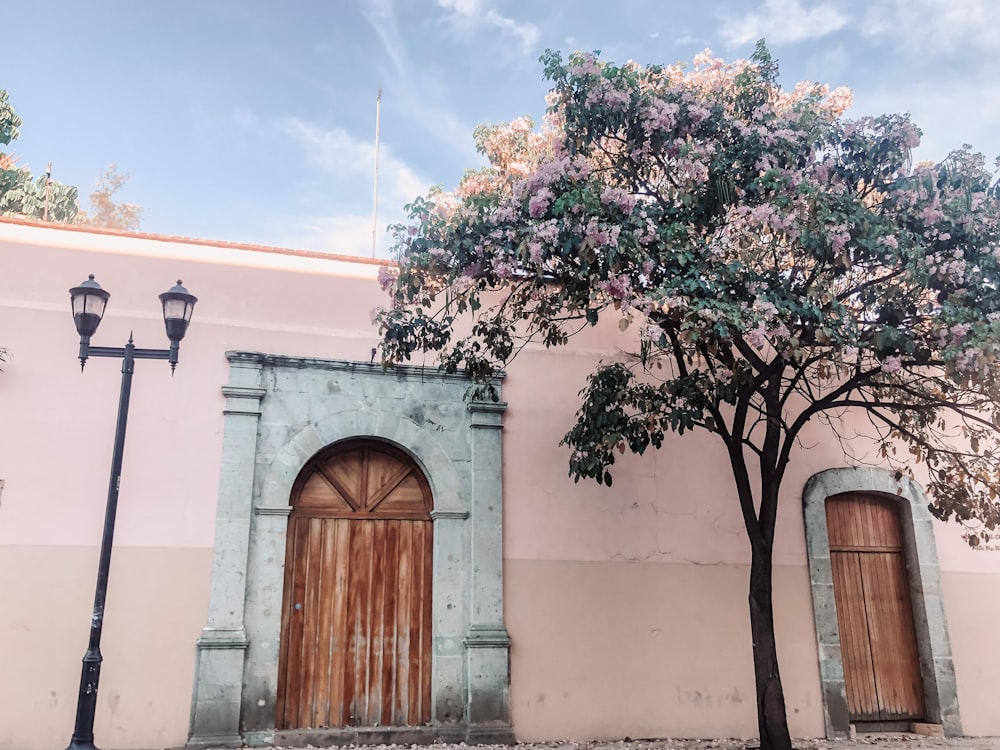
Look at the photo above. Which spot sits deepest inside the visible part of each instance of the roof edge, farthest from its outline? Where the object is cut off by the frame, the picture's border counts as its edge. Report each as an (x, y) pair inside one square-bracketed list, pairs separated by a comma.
[(177, 239)]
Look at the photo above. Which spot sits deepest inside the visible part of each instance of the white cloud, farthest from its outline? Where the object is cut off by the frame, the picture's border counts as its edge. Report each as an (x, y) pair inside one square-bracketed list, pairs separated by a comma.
[(470, 15), (337, 170), (935, 24), (352, 160), (343, 234), (781, 21), (381, 14)]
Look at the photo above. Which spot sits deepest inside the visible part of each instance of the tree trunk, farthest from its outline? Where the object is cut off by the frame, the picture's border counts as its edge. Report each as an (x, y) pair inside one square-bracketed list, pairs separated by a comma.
[(771, 720)]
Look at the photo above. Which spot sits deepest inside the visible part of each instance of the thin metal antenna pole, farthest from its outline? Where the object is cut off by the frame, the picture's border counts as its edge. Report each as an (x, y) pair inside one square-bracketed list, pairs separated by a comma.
[(48, 181), (378, 123)]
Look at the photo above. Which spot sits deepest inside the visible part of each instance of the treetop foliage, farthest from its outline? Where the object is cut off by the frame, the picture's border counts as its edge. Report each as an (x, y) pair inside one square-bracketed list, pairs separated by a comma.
[(21, 194), (104, 210), (773, 261)]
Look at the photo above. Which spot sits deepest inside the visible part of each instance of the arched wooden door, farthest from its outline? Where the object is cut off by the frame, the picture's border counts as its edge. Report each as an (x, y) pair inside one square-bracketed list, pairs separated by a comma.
[(356, 614), (874, 612)]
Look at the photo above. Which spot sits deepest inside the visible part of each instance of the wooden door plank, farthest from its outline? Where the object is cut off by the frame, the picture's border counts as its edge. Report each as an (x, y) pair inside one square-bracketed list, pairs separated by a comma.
[(312, 566), (390, 656), (355, 655), (414, 622), (894, 646), (390, 476), (340, 488), (294, 637), (376, 624), (318, 492), (404, 586), (326, 584), (856, 654), (364, 477), (425, 625), (367, 621), (338, 627)]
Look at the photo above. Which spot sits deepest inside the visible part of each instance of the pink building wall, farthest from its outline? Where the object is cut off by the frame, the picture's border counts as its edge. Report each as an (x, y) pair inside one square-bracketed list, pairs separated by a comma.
[(626, 606)]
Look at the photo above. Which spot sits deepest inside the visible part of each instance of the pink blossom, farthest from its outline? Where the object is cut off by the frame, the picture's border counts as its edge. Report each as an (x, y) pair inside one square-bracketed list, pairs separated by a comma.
[(660, 115), (539, 203), (617, 287), (838, 241), (586, 66), (931, 215), (503, 269), (614, 196), (968, 361), (892, 365), (765, 308), (386, 278), (547, 231), (755, 337), (605, 93), (697, 113), (958, 332), (652, 333)]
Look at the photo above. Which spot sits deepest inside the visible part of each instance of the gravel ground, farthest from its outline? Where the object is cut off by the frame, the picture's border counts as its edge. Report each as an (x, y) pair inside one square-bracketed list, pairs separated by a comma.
[(862, 742)]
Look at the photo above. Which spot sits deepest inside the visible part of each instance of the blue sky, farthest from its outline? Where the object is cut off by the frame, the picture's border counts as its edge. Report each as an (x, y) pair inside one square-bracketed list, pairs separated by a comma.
[(254, 120)]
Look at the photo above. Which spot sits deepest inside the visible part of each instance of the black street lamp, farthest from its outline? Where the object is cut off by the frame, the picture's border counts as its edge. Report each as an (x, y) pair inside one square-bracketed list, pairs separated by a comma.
[(89, 301)]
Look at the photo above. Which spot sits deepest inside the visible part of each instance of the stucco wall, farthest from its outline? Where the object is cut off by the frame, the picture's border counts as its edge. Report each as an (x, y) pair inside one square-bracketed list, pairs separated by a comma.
[(650, 650), (155, 611), (626, 605)]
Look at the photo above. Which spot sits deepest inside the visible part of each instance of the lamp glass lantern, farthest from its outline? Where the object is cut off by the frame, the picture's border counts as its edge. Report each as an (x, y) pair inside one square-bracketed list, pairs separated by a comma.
[(178, 304), (89, 301)]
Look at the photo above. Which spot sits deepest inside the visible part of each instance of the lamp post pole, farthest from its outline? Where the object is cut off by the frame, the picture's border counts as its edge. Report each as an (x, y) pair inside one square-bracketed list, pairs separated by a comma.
[(86, 300)]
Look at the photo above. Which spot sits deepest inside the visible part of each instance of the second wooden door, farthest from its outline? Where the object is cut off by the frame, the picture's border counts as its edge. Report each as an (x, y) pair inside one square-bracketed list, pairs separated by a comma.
[(871, 587), (356, 618)]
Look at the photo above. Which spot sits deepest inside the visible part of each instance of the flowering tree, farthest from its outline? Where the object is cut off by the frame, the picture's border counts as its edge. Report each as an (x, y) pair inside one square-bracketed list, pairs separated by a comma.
[(775, 263)]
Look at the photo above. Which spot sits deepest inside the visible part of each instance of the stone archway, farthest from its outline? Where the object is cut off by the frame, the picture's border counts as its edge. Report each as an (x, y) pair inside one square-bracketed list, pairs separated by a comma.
[(934, 645), (282, 411)]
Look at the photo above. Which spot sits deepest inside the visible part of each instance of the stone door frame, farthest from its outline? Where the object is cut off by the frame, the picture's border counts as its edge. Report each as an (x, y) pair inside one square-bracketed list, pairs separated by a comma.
[(920, 549), (280, 411)]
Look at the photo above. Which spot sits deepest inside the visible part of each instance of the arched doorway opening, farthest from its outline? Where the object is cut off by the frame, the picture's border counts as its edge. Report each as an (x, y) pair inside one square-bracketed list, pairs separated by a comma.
[(356, 613)]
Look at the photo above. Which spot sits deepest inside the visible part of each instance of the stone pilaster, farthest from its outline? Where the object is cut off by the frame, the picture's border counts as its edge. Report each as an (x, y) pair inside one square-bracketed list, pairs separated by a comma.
[(215, 707), (487, 642)]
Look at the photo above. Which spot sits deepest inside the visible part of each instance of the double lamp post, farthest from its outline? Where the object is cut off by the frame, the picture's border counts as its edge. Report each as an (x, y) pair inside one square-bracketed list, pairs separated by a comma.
[(89, 301)]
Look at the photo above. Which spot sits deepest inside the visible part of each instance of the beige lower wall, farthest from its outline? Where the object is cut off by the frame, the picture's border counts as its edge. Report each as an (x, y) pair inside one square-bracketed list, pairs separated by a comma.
[(600, 650), (972, 604), (608, 649), (157, 601)]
